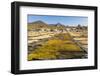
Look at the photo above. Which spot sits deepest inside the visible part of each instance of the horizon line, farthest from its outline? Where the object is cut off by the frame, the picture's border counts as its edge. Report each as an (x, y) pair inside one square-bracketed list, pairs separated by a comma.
[(56, 23)]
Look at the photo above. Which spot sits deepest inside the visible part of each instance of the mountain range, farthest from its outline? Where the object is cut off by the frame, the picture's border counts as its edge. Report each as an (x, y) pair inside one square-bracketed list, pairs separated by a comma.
[(41, 24)]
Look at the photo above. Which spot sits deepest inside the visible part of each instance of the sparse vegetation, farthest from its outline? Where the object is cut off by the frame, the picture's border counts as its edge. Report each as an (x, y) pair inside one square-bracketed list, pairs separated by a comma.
[(51, 42), (52, 48)]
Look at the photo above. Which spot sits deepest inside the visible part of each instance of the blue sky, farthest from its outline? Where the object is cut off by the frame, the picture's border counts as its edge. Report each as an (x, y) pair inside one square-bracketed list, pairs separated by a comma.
[(66, 20)]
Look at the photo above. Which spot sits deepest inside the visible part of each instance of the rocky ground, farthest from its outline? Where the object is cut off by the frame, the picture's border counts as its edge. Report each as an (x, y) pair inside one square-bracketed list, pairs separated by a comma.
[(44, 45)]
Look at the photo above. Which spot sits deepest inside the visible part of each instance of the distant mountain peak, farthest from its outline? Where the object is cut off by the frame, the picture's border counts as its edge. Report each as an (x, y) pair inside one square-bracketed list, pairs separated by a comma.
[(38, 22), (59, 24)]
